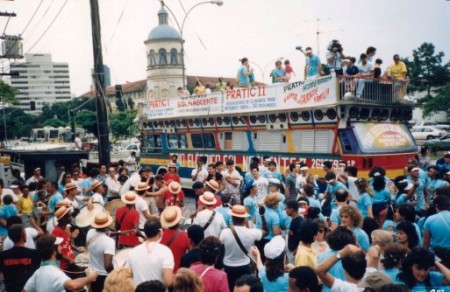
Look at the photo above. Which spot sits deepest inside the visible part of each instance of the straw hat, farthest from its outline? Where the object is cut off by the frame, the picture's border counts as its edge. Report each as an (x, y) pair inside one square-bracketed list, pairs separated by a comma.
[(63, 203), (174, 187), (142, 187), (171, 216), (238, 211), (129, 197), (208, 198), (172, 165), (272, 199), (213, 185), (61, 212), (96, 184), (70, 186), (102, 220)]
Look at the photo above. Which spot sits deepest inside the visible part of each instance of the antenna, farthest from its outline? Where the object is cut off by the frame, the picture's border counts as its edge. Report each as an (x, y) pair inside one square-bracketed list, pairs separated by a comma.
[(319, 32)]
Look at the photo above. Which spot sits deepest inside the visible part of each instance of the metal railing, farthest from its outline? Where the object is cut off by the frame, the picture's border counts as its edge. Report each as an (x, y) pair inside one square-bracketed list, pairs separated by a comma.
[(371, 90)]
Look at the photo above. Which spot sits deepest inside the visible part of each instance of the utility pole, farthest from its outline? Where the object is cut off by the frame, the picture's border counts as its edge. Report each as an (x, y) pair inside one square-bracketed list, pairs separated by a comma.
[(99, 83)]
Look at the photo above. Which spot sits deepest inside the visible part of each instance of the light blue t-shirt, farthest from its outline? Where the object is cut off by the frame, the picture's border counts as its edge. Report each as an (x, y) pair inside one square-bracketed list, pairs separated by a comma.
[(337, 271), (392, 273), (419, 194), (364, 202), (243, 80), (362, 238), (6, 211), (276, 174), (401, 199), (388, 223), (86, 184), (54, 199), (332, 189), (334, 216), (278, 73), (252, 203), (382, 196), (272, 219), (438, 226), (435, 282), (312, 65), (315, 203), (281, 284), (226, 216)]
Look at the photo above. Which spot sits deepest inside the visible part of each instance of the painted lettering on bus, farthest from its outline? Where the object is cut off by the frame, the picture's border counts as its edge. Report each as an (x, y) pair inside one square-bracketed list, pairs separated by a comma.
[(198, 102), (292, 86), (241, 93)]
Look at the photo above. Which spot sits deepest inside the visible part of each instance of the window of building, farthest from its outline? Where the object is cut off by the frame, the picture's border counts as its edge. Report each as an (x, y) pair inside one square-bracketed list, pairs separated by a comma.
[(162, 57), (173, 57), (152, 60)]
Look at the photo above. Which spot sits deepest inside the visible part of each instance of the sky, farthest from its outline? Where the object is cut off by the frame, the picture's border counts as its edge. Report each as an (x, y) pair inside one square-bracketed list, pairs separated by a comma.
[(217, 37)]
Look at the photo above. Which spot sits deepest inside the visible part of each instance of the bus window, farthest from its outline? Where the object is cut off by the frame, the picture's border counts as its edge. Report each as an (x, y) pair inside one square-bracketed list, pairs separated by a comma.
[(268, 141), (153, 144), (205, 140), (228, 141), (176, 141), (53, 134)]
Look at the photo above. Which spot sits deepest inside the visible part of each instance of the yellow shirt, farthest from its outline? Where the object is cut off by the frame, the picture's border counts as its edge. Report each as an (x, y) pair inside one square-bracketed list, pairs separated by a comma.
[(305, 256), (25, 205), (398, 70)]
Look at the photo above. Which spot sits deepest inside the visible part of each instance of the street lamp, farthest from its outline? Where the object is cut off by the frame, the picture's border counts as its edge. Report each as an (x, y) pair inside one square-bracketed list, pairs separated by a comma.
[(265, 66), (181, 28)]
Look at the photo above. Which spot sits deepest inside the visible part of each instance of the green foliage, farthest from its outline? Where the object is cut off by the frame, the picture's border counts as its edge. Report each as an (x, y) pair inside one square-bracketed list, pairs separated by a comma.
[(130, 103), (54, 123), (426, 69), (122, 125), (441, 102), (18, 123), (120, 105), (8, 94), (87, 120)]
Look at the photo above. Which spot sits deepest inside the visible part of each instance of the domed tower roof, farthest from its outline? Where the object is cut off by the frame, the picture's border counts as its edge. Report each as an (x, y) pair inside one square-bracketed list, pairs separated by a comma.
[(163, 31)]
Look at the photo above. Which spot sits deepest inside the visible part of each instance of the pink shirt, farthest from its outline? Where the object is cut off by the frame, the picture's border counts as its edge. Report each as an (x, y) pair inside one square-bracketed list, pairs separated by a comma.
[(213, 280)]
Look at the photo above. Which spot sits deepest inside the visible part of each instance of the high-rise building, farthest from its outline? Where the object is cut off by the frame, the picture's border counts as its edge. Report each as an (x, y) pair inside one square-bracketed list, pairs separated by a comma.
[(40, 81)]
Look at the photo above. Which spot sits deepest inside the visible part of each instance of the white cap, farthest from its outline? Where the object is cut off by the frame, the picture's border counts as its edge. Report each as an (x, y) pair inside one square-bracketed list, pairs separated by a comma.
[(304, 168), (13, 186), (274, 181), (275, 247), (415, 169), (377, 174)]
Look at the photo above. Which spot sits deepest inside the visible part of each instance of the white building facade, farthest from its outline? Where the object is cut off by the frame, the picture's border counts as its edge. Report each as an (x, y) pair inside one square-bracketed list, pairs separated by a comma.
[(40, 81)]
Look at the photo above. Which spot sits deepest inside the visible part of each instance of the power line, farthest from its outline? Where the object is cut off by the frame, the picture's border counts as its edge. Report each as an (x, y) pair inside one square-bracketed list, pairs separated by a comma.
[(34, 14)]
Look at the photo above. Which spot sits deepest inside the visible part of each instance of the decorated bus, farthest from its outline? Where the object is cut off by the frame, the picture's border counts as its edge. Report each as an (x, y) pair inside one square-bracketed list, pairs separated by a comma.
[(363, 123)]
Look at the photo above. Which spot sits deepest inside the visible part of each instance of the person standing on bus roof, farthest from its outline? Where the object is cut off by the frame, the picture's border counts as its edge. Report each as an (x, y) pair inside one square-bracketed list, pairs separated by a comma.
[(243, 74), (313, 68), (278, 74), (199, 174)]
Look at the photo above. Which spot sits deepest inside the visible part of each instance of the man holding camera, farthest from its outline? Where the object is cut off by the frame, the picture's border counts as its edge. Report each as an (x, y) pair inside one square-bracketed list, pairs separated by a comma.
[(335, 56)]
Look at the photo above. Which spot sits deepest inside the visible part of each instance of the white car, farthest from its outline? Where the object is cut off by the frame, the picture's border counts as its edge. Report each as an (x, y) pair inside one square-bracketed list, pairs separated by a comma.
[(426, 132)]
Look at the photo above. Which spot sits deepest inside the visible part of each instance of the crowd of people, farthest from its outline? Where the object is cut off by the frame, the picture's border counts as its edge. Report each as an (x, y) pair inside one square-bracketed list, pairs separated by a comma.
[(264, 231)]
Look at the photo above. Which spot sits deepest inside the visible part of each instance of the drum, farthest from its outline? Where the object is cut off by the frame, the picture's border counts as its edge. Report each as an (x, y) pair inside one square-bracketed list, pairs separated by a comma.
[(82, 260), (86, 216), (111, 207), (120, 259)]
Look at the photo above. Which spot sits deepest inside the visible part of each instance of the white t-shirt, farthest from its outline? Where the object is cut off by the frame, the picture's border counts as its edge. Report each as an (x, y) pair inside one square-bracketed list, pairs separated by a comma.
[(365, 69), (131, 164), (148, 260), (31, 234), (97, 198), (343, 286), (79, 183), (352, 189), (300, 181), (216, 225), (100, 246), (47, 278), (9, 192), (202, 175), (261, 183), (78, 143), (234, 256), (229, 188), (114, 186), (132, 181), (141, 207)]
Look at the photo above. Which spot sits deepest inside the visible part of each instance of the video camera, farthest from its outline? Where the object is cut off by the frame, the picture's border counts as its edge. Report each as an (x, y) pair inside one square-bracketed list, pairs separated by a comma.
[(336, 45)]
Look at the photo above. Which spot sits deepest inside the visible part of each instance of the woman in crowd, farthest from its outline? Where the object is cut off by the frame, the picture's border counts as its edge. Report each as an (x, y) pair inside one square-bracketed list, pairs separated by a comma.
[(187, 281), (393, 255), (213, 279), (320, 245), (365, 197), (274, 273), (403, 186), (351, 218), (407, 235), (119, 280), (381, 198), (415, 272)]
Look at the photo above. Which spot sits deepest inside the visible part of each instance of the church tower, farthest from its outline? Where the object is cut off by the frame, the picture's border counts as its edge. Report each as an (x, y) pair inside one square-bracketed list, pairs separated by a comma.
[(164, 59)]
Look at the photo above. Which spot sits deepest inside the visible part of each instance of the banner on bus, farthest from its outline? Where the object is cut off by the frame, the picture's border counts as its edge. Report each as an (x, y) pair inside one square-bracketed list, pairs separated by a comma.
[(312, 93)]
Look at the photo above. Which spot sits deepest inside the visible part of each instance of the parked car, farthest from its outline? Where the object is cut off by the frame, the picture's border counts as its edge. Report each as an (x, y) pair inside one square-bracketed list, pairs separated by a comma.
[(439, 144), (426, 132)]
